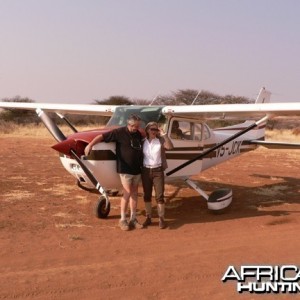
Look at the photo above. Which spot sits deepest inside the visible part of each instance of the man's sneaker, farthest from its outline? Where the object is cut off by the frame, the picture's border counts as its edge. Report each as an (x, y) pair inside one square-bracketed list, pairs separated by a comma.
[(134, 224), (162, 223), (124, 225), (147, 222)]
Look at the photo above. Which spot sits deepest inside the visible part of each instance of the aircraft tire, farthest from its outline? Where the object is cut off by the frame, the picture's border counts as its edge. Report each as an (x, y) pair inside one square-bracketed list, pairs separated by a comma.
[(100, 210), (219, 201)]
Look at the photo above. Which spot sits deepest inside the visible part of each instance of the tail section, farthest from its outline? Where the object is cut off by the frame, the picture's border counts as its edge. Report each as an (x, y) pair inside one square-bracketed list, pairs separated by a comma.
[(263, 96)]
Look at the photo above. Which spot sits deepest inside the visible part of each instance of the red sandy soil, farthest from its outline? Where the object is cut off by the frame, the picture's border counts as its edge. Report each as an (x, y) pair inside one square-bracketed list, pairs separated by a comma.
[(53, 247)]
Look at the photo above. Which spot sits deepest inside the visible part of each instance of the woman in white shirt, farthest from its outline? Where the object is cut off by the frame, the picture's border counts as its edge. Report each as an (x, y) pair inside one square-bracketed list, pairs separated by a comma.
[(154, 164)]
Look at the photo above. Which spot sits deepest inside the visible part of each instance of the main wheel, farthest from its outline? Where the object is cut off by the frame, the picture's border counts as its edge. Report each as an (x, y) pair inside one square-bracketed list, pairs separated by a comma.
[(100, 208), (219, 201)]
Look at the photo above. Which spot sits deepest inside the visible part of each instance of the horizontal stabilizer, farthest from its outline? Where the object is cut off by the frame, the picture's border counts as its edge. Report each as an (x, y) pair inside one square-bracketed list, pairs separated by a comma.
[(276, 145)]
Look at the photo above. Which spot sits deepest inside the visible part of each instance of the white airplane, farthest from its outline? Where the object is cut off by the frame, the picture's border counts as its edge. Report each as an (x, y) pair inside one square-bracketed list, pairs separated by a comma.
[(196, 148)]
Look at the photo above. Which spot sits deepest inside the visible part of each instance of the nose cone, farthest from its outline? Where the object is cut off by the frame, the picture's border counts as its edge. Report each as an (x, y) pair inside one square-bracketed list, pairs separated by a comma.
[(65, 146), (77, 142)]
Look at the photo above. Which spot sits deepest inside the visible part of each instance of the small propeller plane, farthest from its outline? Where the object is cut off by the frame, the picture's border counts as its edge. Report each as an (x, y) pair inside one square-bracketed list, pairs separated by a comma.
[(197, 147)]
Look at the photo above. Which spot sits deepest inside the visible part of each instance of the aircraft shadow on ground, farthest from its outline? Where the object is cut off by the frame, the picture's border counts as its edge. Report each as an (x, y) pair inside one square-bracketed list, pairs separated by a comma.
[(247, 202)]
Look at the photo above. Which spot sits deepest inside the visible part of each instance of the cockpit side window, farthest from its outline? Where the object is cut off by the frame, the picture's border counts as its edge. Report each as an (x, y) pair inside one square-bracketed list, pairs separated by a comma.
[(176, 132), (206, 132), (198, 132), (188, 130)]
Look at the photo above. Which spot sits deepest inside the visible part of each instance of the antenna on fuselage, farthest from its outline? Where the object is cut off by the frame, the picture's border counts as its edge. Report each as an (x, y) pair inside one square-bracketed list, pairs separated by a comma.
[(196, 98), (153, 100)]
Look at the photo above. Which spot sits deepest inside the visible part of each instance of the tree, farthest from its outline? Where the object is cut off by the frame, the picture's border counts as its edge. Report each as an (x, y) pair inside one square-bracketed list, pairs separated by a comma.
[(141, 101), (115, 100), (20, 116), (189, 96)]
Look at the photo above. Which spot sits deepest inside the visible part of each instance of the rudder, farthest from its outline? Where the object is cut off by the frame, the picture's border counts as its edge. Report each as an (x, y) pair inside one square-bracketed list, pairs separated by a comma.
[(263, 96)]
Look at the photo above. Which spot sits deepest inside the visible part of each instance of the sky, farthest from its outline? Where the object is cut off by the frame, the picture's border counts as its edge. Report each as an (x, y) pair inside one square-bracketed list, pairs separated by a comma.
[(77, 51)]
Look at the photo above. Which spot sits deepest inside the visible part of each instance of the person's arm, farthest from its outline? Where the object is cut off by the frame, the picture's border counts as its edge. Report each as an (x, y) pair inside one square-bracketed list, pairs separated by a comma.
[(96, 140), (180, 133), (167, 142)]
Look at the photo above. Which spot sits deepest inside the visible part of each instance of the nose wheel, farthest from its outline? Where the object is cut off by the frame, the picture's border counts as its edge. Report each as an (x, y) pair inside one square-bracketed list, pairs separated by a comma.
[(102, 208)]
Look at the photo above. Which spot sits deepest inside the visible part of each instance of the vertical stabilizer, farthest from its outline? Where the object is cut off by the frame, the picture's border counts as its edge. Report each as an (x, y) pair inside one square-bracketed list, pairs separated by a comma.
[(263, 96)]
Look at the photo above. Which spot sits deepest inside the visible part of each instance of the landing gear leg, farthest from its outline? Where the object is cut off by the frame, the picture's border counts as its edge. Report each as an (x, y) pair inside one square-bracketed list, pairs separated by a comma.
[(217, 201), (196, 187)]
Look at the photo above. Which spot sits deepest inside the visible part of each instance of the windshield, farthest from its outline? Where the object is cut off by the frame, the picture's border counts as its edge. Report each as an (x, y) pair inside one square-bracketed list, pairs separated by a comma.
[(146, 113)]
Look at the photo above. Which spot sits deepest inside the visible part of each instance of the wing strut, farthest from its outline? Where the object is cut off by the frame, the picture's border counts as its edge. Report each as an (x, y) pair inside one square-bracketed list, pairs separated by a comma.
[(203, 154), (67, 121)]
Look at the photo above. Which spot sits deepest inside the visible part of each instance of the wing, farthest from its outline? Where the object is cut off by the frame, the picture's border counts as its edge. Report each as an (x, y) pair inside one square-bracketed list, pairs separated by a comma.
[(86, 109), (234, 111)]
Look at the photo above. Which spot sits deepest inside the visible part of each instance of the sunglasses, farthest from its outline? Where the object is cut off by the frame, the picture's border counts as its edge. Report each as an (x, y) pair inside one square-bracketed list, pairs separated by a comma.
[(135, 144), (154, 129)]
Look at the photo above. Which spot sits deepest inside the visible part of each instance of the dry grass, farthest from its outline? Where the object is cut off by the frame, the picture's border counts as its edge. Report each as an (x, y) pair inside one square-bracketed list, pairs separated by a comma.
[(59, 189), (284, 135), (271, 192), (36, 130), (68, 225), (16, 195)]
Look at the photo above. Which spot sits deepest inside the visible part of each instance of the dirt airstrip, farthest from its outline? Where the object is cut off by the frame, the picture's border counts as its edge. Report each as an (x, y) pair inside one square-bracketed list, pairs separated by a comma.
[(52, 246)]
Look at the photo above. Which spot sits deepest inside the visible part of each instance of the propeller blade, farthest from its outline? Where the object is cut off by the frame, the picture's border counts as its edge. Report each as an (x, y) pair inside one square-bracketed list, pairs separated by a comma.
[(50, 125)]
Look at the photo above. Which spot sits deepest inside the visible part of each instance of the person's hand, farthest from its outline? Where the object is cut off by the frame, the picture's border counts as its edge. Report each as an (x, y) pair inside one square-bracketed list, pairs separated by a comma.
[(87, 150), (161, 132)]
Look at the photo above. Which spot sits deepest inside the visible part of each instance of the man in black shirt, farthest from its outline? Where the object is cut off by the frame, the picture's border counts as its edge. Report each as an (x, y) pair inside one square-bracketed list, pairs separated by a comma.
[(129, 161)]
